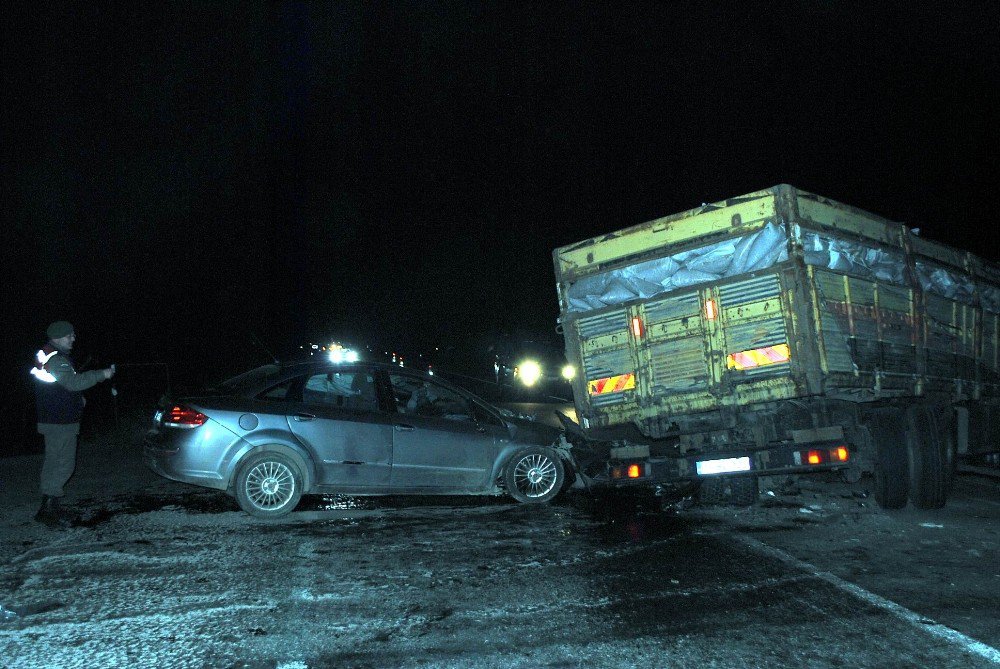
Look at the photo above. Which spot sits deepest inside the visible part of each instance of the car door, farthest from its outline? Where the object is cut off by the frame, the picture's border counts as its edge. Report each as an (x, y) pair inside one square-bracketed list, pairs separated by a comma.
[(337, 417), (438, 443)]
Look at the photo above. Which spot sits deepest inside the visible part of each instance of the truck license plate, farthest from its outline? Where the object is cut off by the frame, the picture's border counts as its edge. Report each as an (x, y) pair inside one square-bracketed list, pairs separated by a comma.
[(723, 466)]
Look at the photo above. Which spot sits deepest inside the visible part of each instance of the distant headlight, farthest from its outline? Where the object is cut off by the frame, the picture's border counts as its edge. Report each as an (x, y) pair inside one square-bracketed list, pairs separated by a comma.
[(529, 372), (569, 372)]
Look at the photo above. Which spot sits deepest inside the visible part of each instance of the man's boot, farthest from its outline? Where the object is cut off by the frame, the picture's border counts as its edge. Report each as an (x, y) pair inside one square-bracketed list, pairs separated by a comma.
[(48, 514)]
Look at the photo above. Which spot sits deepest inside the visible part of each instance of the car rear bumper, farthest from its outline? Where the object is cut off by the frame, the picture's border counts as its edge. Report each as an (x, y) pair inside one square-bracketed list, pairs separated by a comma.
[(172, 462)]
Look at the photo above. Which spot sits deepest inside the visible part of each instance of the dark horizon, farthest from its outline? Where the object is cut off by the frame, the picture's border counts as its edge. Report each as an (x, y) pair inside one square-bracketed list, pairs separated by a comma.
[(184, 182)]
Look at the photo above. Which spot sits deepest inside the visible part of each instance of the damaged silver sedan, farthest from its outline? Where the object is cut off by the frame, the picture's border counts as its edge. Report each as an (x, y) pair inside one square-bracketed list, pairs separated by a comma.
[(280, 431)]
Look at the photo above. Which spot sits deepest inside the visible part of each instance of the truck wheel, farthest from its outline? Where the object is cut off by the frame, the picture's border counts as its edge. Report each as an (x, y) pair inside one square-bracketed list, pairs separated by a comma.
[(926, 449), (534, 475), (892, 472), (268, 485), (949, 437)]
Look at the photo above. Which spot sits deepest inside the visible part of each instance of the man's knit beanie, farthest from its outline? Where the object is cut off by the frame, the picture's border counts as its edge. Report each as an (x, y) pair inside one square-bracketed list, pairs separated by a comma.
[(59, 329)]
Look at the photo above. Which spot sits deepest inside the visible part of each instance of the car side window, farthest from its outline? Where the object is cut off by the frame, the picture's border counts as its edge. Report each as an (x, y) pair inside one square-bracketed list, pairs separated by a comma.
[(422, 397), (484, 416), (353, 390), (278, 393)]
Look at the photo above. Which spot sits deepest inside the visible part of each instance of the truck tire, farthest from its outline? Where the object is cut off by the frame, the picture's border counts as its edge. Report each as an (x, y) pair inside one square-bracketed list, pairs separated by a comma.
[(948, 419), (734, 490), (892, 471), (926, 448)]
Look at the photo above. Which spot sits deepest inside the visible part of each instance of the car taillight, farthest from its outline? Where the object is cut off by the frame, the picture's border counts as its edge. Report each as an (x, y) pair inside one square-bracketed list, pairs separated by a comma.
[(182, 416)]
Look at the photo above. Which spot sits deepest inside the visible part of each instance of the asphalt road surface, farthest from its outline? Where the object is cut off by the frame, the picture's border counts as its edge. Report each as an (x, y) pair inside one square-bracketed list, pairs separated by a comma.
[(170, 576)]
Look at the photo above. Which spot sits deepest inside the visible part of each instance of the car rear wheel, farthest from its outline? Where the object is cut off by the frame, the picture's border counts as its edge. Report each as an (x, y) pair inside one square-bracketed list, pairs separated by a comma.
[(268, 485), (534, 475)]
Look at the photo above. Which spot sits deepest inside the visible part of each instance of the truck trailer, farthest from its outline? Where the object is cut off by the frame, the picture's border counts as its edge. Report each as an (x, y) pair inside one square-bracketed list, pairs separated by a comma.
[(781, 332)]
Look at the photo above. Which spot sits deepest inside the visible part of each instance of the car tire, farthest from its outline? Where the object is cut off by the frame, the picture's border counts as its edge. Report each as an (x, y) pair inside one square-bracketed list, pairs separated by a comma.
[(268, 485), (534, 475)]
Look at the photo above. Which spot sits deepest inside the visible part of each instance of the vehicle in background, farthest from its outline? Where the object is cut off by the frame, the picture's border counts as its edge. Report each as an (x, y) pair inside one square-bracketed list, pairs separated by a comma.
[(276, 432), (782, 332)]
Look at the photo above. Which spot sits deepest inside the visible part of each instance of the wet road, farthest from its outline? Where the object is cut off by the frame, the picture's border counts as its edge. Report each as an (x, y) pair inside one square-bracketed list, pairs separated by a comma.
[(185, 580)]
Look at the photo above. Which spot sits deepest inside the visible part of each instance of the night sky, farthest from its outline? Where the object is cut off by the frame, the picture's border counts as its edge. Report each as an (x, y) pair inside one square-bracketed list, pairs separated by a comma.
[(182, 178)]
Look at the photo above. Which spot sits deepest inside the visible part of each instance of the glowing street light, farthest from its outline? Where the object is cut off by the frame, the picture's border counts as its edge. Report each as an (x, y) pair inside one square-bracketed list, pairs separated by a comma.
[(568, 372)]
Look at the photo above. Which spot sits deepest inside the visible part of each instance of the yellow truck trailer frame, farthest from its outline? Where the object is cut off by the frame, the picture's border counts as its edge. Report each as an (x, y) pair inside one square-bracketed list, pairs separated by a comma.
[(782, 331)]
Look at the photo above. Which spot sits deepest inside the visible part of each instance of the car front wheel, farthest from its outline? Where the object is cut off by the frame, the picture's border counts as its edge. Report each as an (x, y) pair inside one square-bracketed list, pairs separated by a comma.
[(268, 485), (534, 475)]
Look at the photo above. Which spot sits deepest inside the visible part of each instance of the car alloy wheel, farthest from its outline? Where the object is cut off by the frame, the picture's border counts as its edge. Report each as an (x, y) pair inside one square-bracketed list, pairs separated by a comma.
[(268, 485), (534, 475)]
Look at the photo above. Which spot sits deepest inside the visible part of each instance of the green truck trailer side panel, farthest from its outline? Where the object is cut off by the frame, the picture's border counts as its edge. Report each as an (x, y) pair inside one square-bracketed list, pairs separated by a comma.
[(591, 255), (720, 344), (849, 220)]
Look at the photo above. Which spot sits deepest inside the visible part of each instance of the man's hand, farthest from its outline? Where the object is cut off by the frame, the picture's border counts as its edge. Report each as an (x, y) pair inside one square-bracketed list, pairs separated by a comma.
[(109, 372)]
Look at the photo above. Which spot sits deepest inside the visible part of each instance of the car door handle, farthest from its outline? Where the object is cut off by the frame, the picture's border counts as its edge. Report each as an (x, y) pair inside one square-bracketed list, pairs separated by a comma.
[(403, 427), (304, 417)]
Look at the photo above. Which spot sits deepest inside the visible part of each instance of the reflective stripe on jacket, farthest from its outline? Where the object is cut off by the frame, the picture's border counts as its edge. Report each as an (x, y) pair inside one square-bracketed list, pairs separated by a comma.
[(58, 387)]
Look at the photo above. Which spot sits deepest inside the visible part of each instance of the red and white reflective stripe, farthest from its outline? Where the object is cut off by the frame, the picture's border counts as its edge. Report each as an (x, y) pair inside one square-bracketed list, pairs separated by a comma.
[(758, 357), (39, 371), (612, 384)]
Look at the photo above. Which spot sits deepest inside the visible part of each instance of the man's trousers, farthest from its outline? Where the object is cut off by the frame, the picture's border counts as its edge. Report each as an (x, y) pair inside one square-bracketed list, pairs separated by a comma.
[(60, 456)]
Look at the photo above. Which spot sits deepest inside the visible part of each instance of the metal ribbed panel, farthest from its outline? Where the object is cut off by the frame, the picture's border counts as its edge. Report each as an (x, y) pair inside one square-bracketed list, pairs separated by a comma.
[(831, 286), (678, 365), (895, 329), (867, 353), (862, 292), (675, 306), (835, 340), (894, 298), (604, 364), (751, 290), (755, 334), (767, 370), (989, 341), (605, 400), (899, 358), (594, 326), (940, 364)]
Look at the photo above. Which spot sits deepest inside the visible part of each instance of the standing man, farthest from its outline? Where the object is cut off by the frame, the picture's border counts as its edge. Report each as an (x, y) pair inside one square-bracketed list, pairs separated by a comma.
[(59, 398)]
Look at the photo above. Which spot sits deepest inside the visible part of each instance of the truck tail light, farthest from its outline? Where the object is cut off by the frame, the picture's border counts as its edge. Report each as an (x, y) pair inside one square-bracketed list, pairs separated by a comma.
[(637, 328), (825, 456), (632, 470), (183, 417)]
